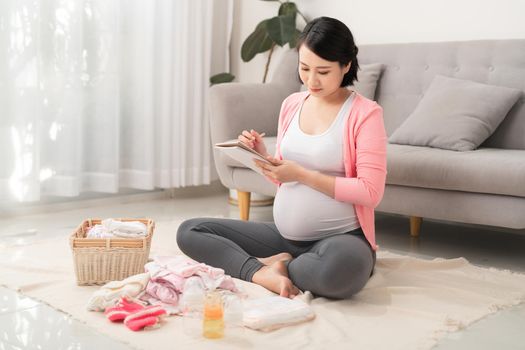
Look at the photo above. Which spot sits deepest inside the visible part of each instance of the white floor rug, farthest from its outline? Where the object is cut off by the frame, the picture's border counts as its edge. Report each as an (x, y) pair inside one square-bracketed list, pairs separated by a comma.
[(408, 303)]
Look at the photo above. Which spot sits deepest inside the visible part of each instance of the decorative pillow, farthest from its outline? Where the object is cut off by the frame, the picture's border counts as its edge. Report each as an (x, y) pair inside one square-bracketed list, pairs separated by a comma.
[(367, 76), (456, 114)]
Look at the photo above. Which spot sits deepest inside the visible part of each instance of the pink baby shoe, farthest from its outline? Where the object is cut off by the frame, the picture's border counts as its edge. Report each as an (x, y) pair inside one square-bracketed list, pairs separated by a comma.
[(124, 308), (149, 317)]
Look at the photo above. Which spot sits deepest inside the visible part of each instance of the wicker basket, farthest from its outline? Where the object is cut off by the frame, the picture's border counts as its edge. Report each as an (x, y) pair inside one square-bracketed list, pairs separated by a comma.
[(100, 260)]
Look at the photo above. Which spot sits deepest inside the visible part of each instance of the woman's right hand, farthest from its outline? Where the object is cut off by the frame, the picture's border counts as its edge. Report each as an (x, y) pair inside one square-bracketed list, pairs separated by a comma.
[(254, 140)]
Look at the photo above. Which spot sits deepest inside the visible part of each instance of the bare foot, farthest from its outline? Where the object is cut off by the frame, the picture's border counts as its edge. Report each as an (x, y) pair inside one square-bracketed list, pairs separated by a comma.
[(275, 278), (277, 257)]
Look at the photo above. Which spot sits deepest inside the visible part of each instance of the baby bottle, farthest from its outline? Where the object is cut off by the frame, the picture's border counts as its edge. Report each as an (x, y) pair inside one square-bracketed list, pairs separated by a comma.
[(192, 303), (213, 323)]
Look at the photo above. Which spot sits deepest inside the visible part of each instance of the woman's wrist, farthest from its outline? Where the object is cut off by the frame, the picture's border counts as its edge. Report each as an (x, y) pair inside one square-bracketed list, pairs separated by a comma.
[(318, 181), (305, 176), (263, 152)]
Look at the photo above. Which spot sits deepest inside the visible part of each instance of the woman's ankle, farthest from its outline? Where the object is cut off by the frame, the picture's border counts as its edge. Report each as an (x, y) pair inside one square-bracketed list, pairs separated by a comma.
[(259, 275), (274, 258), (275, 278)]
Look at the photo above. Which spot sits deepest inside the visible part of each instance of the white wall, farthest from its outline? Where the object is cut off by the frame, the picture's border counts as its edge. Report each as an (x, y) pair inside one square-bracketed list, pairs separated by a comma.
[(383, 21), (222, 29)]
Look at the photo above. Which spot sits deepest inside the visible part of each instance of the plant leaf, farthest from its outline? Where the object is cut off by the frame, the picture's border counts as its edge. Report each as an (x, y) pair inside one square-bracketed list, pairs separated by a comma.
[(256, 42), (221, 78), (288, 9), (293, 41), (281, 29)]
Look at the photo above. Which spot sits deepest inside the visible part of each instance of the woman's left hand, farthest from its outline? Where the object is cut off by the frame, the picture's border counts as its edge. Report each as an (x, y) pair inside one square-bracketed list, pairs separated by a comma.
[(281, 170)]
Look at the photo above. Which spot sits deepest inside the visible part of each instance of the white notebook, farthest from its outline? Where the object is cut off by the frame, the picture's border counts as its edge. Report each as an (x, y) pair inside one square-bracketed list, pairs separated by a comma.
[(242, 153)]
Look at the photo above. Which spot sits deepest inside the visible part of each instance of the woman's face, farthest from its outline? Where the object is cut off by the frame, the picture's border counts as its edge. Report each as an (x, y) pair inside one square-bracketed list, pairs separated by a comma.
[(321, 77)]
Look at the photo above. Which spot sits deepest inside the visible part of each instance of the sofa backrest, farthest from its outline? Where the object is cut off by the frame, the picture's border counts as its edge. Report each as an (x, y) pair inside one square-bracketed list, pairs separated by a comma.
[(410, 68)]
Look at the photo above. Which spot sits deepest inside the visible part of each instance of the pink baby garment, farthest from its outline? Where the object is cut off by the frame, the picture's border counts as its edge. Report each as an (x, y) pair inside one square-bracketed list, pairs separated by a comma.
[(169, 273)]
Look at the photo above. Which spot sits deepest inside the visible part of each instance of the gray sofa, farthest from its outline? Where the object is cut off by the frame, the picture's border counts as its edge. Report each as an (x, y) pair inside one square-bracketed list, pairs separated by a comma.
[(485, 186)]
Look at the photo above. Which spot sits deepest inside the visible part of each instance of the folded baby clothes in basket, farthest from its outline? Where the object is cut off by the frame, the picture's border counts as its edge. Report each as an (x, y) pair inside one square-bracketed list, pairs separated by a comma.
[(110, 228)]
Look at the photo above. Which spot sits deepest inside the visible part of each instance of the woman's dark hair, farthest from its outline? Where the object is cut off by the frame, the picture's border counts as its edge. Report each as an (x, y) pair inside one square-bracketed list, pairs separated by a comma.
[(331, 40)]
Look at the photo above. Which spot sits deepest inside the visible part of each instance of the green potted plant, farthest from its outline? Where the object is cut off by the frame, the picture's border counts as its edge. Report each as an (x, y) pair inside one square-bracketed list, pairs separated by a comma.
[(279, 30)]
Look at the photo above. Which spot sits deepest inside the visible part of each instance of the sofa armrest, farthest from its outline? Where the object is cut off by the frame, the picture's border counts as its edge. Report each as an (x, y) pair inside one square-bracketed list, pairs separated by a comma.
[(239, 106)]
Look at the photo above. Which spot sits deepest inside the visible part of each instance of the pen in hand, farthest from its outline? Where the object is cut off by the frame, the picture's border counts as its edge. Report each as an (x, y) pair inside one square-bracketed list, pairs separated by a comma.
[(253, 139)]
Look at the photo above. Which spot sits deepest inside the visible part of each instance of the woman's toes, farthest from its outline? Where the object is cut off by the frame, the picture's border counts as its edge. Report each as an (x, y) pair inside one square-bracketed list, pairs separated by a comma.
[(288, 290), (293, 292), (285, 290)]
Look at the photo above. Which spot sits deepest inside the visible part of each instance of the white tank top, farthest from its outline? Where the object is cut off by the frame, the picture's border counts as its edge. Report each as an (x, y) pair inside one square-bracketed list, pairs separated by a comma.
[(300, 212)]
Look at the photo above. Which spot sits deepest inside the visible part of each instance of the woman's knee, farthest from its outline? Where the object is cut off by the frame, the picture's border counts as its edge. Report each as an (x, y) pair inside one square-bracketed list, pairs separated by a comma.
[(350, 286), (340, 275), (186, 231), (343, 285)]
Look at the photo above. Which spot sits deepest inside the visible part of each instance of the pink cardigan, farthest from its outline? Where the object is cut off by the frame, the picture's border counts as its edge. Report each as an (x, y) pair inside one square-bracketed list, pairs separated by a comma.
[(364, 156)]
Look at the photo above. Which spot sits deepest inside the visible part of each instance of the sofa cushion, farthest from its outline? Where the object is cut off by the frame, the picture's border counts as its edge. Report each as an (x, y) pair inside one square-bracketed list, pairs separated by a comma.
[(368, 76), (456, 114), (485, 170)]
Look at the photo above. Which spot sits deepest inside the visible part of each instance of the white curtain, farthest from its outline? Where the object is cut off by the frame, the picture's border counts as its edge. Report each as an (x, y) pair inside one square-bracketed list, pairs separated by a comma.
[(96, 95)]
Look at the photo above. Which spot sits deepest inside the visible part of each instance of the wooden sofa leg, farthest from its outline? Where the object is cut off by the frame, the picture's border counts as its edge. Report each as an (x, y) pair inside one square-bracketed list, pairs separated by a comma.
[(415, 226), (244, 204)]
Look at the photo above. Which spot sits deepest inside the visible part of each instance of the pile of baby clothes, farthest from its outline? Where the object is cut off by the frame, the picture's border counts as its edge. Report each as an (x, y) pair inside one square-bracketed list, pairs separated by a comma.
[(120, 302), (141, 301), (109, 294), (170, 273)]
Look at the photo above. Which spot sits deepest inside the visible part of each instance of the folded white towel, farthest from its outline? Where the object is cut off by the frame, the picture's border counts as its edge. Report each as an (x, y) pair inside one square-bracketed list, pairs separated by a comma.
[(273, 312)]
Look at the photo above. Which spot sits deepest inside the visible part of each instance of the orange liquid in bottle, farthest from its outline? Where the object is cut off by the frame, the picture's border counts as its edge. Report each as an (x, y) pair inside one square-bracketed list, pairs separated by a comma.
[(213, 323)]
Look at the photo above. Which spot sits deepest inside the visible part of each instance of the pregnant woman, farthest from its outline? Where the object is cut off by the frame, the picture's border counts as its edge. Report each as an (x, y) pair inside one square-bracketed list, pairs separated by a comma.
[(330, 169)]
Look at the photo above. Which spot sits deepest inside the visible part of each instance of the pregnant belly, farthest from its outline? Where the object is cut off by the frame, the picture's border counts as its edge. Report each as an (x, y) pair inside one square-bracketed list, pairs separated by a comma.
[(302, 213)]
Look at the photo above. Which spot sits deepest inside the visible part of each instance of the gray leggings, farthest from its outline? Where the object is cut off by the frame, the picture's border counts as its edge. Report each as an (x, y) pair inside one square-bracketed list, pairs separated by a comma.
[(334, 267)]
